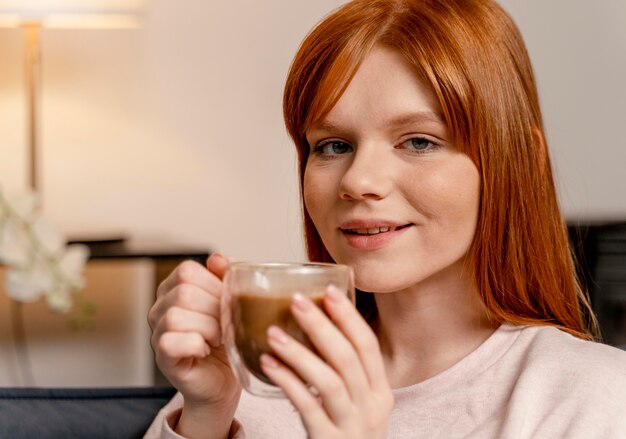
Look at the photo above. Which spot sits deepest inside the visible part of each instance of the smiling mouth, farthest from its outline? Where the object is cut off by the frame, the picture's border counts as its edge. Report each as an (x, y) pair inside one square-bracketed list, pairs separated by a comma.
[(374, 230)]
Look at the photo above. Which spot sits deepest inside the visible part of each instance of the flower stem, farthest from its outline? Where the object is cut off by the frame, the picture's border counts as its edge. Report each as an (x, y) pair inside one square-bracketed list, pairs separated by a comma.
[(20, 343)]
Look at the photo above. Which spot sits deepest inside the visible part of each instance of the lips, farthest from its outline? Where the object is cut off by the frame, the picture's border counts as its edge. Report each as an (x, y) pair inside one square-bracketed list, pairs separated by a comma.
[(371, 230), (371, 234)]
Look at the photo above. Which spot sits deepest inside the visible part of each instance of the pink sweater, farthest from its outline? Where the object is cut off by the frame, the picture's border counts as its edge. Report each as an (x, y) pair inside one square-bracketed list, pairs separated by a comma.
[(522, 382)]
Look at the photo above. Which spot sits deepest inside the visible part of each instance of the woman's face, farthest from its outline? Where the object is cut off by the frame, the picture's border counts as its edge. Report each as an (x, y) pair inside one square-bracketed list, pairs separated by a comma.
[(386, 189)]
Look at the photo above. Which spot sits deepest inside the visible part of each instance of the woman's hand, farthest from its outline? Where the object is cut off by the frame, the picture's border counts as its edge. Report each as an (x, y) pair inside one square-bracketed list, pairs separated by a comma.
[(354, 398), (186, 339)]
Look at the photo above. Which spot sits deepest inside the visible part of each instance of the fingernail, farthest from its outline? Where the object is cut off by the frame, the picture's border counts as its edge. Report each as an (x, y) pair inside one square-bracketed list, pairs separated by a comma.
[(334, 293), (268, 361), (277, 334), (301, 302)]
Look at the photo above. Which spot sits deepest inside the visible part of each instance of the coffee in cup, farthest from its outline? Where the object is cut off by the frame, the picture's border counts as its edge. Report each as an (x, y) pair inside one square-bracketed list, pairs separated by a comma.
[(257, 296)]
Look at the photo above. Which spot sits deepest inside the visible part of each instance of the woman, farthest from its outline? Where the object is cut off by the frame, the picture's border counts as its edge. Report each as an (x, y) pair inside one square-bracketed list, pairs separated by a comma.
[(424, 166)]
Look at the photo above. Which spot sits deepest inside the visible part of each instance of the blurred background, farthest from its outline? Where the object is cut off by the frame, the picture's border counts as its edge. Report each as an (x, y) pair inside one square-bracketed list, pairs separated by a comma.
[(172, 133), (175, 129)]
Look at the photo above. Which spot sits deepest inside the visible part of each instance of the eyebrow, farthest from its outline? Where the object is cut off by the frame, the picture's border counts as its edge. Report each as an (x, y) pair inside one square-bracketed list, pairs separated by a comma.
[(426, 116), (419, 116)]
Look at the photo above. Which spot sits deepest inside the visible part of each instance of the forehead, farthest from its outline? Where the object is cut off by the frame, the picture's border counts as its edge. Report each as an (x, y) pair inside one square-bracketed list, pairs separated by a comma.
[(385, 87)]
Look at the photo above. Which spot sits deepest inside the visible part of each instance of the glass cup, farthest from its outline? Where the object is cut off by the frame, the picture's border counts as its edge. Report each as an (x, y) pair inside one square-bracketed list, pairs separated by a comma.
[(257, 296)]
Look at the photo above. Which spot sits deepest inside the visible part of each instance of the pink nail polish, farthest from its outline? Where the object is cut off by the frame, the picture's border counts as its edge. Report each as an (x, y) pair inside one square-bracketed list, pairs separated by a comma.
[(301, 302), (268, 361), (277, 334), (334, 294)]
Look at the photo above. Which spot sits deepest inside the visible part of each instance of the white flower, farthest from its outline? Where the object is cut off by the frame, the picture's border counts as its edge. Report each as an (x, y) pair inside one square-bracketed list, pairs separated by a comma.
[(59, 300), (72, 263), (27, 285), (50, 240), (14, 245), (25, 206), (39, 263), (73, 259)]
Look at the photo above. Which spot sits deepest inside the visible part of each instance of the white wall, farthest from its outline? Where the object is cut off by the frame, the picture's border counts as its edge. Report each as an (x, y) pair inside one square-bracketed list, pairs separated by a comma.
[(175, 130), (578, 50)]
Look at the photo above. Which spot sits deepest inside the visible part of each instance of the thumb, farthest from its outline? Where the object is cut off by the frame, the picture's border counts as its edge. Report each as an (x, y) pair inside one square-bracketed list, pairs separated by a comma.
[(217, 264)]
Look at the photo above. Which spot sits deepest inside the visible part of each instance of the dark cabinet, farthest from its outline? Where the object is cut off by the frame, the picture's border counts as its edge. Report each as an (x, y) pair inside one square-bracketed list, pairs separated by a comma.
[(601, 256)]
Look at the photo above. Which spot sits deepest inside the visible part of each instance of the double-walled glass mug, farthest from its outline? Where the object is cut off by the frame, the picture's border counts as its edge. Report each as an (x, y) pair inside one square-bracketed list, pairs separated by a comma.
[(257, 296)]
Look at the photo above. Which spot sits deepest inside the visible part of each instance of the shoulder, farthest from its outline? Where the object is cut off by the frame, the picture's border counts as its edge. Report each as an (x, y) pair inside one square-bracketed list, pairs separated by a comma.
[(568, 386), (547, 355), (561, 366), (550, 346)]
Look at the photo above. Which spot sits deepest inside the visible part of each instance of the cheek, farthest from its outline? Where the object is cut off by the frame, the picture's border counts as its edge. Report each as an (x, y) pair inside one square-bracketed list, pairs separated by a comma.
[(459, 208), (315, 194), (468, 193), (449, 199)]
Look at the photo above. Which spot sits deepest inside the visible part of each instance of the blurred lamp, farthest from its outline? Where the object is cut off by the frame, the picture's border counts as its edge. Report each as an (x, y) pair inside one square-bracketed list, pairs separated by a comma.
[(34, 15)]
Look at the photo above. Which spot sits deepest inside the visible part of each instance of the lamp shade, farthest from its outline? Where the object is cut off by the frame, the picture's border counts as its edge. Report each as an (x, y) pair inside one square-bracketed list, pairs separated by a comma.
[(71, 13)]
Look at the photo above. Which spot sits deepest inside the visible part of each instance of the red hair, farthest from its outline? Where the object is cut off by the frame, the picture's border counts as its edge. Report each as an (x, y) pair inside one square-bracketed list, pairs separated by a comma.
[(473, 57)]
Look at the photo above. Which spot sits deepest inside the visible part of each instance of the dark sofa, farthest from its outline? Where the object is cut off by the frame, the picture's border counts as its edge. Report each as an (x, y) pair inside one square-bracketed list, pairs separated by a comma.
[(42, 413)]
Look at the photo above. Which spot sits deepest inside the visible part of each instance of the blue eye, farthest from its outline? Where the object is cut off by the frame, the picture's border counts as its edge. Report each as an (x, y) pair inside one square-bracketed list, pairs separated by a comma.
[(419, 144), (332, 147)]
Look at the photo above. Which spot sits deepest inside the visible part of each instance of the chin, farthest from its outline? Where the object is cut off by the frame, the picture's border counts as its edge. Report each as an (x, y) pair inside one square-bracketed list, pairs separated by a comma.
[(379, 282), (373, 276)]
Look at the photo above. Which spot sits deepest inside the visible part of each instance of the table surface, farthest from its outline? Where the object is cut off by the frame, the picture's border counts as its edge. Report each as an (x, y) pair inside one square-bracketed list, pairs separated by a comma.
[(121, 247)]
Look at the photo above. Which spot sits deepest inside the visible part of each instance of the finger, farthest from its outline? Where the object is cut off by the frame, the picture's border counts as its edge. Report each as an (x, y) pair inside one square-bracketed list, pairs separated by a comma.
[(218, 264), (333, 346), (179, 320), (190, 272), (358, 332), (311, 411), (186, 296), (312, 371), (172, 347)]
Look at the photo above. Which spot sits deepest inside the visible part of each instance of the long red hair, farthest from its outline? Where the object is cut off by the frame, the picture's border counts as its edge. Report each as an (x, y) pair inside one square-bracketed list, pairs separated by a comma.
[(473, 57)]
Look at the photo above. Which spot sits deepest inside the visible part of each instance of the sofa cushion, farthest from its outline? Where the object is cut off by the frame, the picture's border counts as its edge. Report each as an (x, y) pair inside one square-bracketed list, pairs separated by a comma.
[(79, 412)]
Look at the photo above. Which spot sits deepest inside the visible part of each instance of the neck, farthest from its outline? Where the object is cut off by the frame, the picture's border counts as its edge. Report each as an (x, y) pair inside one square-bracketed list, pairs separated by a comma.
[(429, 327)]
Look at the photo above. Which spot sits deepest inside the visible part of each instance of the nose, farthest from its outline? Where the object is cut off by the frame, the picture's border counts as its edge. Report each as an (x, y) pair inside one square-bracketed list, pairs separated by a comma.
[(369, 175)]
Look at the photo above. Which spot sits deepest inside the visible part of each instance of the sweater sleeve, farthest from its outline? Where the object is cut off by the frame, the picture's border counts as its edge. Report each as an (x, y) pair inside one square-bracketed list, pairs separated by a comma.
[(166, 420)]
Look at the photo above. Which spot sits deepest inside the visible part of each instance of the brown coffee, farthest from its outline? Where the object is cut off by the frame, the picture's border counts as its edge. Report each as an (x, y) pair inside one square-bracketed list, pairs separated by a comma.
[(253, 314)]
